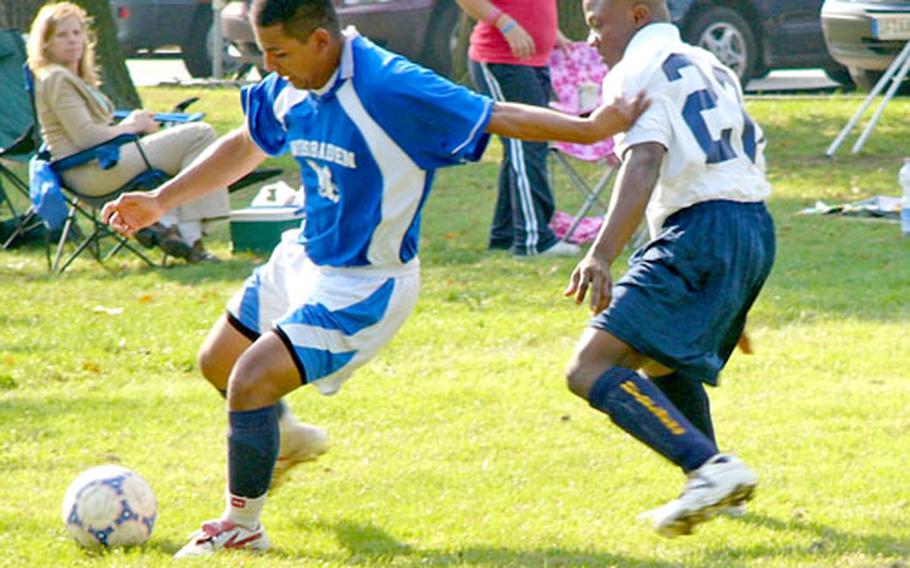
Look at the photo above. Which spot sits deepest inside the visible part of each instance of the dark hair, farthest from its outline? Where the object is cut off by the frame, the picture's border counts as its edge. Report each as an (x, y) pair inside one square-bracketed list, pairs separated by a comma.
[(298, 18)]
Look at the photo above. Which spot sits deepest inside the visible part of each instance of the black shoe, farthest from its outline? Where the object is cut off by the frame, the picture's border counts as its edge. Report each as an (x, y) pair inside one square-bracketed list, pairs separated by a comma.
[(176, 248), (170, 242), (151, 235), (198, 254)]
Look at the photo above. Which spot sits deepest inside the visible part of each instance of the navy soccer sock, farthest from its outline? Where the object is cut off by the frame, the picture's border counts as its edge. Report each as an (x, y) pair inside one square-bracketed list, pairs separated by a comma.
[(637, 406), (690, 398), (252, 450), (282, 405)]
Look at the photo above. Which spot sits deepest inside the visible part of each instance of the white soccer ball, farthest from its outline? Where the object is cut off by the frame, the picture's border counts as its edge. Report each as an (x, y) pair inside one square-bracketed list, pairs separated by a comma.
[(109, 505)]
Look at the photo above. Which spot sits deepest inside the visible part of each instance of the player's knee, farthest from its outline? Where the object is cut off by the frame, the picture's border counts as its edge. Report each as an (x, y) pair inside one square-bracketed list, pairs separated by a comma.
[(579, 379), (249, 385), (211, 367)]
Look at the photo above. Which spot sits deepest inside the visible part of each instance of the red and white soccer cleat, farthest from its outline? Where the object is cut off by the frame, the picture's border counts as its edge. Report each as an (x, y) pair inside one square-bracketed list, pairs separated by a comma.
[(215, 536)]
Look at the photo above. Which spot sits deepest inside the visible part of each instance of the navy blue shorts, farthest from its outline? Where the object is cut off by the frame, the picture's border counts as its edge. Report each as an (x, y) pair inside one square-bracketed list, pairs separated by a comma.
[(684, 300)]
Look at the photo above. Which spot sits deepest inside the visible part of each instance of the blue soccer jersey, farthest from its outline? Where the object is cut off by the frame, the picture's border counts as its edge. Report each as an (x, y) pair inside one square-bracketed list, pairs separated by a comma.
[(367, 144)]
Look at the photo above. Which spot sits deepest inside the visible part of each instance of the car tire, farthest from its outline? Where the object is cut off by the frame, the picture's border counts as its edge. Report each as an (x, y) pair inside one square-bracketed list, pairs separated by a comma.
[(727, 35), (441, 38), (840, 75), (196, 50), (866, 79)]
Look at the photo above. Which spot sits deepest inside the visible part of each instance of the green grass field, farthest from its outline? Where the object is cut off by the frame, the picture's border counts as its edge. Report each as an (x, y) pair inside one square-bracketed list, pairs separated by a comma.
[(459, 444)]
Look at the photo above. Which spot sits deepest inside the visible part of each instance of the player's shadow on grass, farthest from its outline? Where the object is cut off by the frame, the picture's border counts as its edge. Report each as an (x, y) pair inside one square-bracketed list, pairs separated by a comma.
[(826, 540), (367, 543)]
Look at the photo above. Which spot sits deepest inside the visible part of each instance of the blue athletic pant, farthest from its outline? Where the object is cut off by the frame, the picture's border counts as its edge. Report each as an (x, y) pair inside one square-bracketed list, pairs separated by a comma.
[(524, 202)]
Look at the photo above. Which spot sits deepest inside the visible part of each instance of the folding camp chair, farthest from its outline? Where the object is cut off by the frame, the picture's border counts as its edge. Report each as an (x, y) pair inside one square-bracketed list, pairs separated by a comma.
[(100, 240), (18, 140), (88, 207), (576, 74)]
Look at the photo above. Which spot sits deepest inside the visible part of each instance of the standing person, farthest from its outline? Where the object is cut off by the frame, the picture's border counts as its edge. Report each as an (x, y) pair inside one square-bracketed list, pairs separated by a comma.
[(510, 48), (695, 161), (75, 115), (368, 129)]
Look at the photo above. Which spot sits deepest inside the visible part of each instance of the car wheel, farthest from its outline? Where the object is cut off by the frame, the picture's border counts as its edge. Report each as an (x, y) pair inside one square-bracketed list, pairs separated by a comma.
[(442, 37), (198, 48), (727, 35), (840, 75), (866, 80)]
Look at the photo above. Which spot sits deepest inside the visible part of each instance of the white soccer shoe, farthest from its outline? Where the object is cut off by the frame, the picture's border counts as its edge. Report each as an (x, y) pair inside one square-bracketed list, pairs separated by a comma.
[(723, 481), (299, 443), (735, 511), (561, 248), (220, 535)]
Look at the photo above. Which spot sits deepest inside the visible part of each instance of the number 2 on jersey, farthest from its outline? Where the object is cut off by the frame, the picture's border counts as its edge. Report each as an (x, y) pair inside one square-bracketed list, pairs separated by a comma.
[(716, 150)]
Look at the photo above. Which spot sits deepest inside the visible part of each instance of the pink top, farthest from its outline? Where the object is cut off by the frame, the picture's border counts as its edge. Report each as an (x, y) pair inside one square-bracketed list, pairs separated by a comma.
[(538, 18)]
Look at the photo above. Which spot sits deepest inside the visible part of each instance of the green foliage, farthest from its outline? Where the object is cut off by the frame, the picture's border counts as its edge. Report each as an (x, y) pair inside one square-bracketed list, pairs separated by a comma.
[(459, 444)]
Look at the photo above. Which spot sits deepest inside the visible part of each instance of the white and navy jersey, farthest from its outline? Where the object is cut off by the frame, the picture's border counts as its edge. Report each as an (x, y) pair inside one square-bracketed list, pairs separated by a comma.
[(714, 149), (367, 144)]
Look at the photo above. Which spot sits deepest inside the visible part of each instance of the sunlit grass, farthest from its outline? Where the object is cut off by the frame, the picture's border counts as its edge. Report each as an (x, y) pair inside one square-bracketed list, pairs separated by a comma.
[(459, 444)]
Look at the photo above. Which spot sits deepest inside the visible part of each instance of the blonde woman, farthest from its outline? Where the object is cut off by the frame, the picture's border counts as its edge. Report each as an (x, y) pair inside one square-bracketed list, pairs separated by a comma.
[(75, 115)]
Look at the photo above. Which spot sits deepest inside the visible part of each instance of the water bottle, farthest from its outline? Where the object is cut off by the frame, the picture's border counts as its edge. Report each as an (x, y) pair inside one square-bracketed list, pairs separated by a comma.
[(904, 178)]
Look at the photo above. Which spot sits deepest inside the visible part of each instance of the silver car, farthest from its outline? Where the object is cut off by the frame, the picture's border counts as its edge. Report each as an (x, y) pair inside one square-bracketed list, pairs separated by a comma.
[(866, 35)]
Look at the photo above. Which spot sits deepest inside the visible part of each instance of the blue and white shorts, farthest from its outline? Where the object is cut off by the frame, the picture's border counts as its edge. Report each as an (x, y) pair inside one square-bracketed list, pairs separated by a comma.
[(333, 320)]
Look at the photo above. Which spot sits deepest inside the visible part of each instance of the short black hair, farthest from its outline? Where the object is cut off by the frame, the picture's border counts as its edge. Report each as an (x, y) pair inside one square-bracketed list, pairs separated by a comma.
[(298, 18)]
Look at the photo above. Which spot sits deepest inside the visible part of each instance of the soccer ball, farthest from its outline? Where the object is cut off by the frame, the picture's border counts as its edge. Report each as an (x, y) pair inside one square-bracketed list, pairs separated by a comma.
[(109, 505)]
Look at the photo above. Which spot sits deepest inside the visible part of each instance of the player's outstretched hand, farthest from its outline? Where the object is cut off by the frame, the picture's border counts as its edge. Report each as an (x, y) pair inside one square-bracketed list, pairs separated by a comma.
[(619, 115), (591, 273), (131, 212)]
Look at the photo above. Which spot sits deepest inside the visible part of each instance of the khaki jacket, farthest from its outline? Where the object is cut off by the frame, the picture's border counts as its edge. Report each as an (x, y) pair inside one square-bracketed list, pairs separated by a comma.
[(71, 117)]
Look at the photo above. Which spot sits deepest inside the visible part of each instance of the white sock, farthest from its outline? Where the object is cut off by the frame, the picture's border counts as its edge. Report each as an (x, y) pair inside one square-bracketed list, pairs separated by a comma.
[(190, 231), (243, 511)]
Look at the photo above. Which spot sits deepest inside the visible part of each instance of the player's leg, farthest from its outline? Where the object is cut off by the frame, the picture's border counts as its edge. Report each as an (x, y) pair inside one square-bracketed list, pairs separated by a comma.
[(223, 346), (601, 372), (300, 442), (690, 397), (262, 375), (263, 299)]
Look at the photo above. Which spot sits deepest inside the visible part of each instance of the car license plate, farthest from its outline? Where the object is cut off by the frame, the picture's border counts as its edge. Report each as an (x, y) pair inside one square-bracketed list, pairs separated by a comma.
[(895, 27)]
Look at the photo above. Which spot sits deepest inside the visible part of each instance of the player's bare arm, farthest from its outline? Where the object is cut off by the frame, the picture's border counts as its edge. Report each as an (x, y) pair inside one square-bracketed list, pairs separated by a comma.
[(224, 162), (636, 182), (526, 122)]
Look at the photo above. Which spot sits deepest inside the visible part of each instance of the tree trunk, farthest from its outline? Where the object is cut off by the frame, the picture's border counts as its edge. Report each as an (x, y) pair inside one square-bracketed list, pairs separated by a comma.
[(116, 81), (572, 19)]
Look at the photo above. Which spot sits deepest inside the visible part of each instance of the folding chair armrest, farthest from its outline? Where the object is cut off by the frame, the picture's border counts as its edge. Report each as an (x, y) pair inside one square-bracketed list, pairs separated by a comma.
[(85, 156), (167, 117), (184, 104)]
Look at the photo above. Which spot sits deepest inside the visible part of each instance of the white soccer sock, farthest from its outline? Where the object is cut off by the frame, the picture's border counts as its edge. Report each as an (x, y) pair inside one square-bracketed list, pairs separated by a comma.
[(243, 511)]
